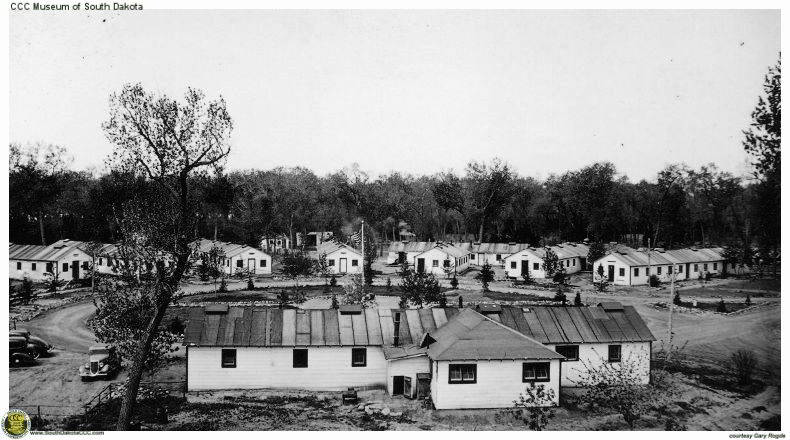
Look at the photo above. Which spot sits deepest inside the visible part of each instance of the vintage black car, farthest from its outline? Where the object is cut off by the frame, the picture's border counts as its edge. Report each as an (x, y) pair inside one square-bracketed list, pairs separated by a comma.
[(42, 348), (20, 352), (103, 362)]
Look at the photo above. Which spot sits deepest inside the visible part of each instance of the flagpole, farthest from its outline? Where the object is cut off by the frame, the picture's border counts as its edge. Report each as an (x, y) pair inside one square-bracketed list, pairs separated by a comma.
[(362, 233)]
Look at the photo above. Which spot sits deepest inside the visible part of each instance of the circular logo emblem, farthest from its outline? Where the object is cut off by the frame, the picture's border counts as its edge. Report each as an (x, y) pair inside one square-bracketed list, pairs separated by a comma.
[(16, 423)]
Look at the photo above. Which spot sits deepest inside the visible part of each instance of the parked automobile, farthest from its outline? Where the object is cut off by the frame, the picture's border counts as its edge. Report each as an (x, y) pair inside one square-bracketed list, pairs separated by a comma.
[(103, 362), (42, 348), (20, 352)]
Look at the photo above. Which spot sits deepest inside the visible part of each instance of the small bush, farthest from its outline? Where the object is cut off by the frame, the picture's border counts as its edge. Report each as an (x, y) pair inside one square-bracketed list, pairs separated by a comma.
[(676, 299), (748, 300), (333, 280), (250, 284), (654, 282), (443, 301), (454, 282), (460, 302), (721, 308), (176, 326), (534, 407), (577, 301), (223, 286), (744, 362), (389, 284), (334, 302), (560, 296)]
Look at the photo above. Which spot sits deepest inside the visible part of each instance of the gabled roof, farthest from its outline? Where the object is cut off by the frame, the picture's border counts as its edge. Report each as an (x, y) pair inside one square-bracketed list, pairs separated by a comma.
[(493, 248), (229, 249), (411, 246), (471, 336), (53, 252), (563, 251), (448, 249), (657, 257), (328, 247)]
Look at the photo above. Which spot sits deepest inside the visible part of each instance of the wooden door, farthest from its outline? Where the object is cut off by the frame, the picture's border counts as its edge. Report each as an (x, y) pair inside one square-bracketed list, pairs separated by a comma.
[(343, 265), (397, 385), (524, 267), (611, 273), (75, 270), (251, 265), (421, 265)]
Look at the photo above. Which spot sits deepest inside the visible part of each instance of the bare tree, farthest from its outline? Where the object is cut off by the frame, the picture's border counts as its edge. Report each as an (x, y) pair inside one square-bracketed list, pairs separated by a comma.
[(168, 141)]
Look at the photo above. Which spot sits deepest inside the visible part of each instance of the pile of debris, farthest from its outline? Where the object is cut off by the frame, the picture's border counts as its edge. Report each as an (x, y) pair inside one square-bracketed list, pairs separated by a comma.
[(378, 408)]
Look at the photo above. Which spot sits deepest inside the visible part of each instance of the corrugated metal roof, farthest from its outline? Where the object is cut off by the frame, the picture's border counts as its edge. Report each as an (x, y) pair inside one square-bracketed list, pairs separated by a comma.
[(411, 246), (262, 327), (634, 257), (563, 251), (471, 336), (53, 252)]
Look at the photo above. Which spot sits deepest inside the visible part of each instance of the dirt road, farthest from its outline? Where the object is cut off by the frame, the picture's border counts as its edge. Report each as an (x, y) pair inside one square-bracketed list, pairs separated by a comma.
[(55, 383)]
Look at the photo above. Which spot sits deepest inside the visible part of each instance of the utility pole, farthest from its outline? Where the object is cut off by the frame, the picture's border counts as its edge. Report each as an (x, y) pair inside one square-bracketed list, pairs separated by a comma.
[(649, 266), (671, 309)]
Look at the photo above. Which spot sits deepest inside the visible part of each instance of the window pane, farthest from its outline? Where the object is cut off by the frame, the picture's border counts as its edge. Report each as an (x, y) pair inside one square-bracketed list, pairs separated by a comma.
[(455, 373)]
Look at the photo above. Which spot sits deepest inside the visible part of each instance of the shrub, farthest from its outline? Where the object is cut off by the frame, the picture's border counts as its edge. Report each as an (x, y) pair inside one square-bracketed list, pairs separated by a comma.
[(333, 280), (603, 281), (454, 282), (676, 299), (577, 301), (534, 407), (25, 291), (748, 299), (744, 362), (223, 286), (721, 308), (672, 424), (560, 296), (389, 284), (654, 282), (250, 284), (443, 301), (176, 326), (486, 276), (460, 302), (335, 305)]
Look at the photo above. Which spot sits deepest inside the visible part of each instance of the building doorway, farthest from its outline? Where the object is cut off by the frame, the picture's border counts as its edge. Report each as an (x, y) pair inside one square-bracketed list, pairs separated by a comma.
[(611, 273), (524, 267), (75, 270), (343, 265), (421, 265)]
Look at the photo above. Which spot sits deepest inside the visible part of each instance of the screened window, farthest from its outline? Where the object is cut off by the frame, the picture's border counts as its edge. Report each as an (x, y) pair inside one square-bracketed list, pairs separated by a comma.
[(263, 263), (463, 373), (705, 266), (498, 257), (49, 267), (696, 268), (65, 267), (659, 270), (228, 358), (512, 264), (18, 265), (300, 358), (331, 262), (622, 271), (435, 263), (680, 269), (535, 266), (615, 352), (446, 263), (715, 266), (33, 266), (100, 262), (636, 271), (571, 352), (473, 256), (535, 372), (359, 357), (354, 263), (239, 263)]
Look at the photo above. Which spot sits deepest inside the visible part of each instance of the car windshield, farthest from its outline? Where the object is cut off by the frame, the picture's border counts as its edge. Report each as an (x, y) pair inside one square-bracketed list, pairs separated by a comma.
[(99, 351)]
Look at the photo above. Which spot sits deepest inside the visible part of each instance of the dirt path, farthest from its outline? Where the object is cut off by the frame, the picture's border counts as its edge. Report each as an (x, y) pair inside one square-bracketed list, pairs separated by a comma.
[(55, 383)]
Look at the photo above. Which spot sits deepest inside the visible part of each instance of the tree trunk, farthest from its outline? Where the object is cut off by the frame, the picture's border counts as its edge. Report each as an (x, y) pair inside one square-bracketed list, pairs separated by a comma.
[(41, 227), (480, 234), (136, 373), (215, 228)]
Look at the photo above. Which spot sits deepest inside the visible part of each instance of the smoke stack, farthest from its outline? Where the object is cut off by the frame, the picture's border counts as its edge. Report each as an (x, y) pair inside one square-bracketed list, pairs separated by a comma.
[(396, 332)]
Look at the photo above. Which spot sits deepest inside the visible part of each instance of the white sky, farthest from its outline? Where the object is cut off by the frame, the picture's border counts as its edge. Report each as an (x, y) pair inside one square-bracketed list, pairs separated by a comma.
[(413, 91)]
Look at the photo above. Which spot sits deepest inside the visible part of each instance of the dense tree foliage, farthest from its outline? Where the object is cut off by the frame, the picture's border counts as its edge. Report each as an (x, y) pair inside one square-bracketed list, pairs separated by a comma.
[(682, 206)]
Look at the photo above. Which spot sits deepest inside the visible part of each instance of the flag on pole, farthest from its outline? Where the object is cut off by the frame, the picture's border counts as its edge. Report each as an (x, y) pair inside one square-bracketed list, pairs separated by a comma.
[(355, 239)]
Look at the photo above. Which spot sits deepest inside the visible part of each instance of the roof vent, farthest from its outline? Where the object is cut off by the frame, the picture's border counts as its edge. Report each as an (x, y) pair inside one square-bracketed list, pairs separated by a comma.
[(611, 306), (351, 309), (489, 308)]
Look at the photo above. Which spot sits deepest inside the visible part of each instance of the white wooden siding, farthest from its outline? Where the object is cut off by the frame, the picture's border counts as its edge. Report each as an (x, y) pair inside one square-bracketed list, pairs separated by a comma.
[(498, 384), (407, 367), (329, 369), (594, 355)]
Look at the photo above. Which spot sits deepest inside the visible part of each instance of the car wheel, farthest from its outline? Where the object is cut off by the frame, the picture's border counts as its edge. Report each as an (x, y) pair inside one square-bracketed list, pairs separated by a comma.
[(35, 354)]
